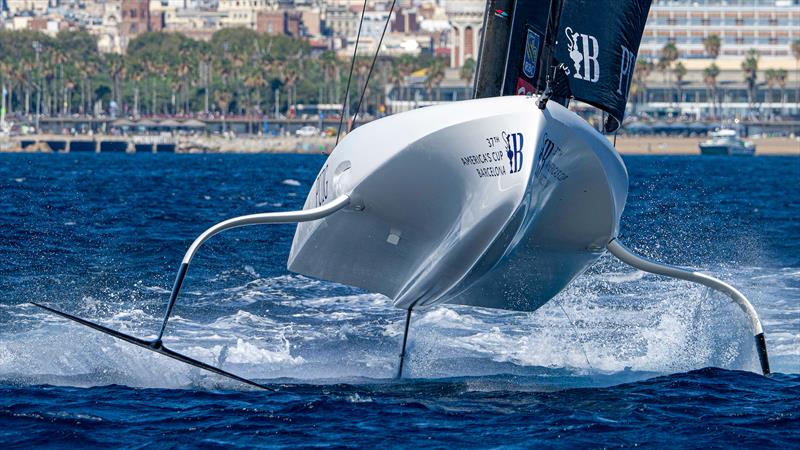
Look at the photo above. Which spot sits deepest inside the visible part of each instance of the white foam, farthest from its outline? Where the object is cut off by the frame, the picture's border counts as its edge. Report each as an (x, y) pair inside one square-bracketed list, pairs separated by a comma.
[(292, 326)]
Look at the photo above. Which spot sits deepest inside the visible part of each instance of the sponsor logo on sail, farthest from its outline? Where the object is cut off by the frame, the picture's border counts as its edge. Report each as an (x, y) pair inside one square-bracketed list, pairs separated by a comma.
[(514, 143), (501, 13), (626, 64), (524, 88), (531, 58), (584, 50)]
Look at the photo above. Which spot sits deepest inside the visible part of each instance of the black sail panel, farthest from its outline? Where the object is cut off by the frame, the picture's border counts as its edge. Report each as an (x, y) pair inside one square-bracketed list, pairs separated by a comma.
[(494, 46), (597, 42), (526, 59)]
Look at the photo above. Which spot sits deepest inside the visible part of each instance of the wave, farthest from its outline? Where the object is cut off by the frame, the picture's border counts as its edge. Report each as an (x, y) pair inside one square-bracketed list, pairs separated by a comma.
[(296, 328)]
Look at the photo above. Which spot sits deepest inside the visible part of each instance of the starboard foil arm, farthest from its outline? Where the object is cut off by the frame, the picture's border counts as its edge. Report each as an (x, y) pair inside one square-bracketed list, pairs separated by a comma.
[(157, 345), (628, 257)]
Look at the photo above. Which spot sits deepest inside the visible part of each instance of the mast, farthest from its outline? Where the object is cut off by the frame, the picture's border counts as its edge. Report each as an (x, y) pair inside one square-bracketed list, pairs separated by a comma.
[(493, 51), (548, 52), (517, 46)]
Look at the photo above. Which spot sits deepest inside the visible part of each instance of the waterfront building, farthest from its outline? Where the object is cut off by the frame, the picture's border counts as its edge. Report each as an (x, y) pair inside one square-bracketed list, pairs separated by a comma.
[(34, 6), (243, 13), (104, 23), (340, 20), (769, 26), (466, 22), (197, 24), (280, 22), (135, 19)]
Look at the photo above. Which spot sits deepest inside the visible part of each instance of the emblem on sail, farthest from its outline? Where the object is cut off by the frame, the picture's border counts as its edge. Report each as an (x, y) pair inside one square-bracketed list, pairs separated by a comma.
[(531, 54), (583, 50)]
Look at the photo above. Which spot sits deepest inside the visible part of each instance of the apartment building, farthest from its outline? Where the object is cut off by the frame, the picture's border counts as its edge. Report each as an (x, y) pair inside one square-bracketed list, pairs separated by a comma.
[(769, 26)]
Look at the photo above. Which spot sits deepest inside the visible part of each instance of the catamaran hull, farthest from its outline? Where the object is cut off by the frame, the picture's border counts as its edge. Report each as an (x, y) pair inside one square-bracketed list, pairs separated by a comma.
[(492, 203)]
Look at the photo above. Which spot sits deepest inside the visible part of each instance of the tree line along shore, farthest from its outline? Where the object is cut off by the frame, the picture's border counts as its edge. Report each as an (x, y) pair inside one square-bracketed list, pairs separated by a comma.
[(237, 72)]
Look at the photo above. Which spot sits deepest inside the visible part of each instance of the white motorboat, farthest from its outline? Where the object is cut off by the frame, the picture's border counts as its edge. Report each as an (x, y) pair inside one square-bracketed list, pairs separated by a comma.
[(498, 202), (726, 141)]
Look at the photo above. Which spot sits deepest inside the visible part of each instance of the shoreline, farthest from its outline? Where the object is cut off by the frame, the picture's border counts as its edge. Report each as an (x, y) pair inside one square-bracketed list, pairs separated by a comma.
[(663, 145), (626, 145)]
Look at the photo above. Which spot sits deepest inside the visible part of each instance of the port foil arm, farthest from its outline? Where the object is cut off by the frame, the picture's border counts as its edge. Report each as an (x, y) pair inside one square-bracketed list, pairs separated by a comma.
[(157, 345), (628, 257), (305, 215)]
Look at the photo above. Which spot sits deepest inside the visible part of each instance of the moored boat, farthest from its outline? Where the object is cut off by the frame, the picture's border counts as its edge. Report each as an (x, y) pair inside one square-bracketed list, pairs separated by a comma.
[(727, 142)]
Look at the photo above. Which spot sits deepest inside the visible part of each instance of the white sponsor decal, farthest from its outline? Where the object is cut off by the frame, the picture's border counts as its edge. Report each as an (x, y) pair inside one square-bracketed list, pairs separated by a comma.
[(626, 64)]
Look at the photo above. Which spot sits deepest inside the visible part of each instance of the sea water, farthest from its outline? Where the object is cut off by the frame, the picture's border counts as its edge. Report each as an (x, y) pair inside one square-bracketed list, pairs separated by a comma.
[(620, 358)]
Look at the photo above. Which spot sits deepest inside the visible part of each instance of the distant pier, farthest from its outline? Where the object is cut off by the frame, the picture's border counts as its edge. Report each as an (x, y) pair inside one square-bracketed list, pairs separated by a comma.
[(92, 144), (54, 143)]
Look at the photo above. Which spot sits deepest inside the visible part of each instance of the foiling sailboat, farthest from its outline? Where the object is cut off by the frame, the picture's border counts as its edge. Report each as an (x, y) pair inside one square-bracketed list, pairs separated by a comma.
[(497, 202)]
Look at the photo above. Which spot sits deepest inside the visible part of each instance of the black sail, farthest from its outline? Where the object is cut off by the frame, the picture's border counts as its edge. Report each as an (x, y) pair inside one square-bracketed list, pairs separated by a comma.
[(597, 42), (526, 62), (513, 46)]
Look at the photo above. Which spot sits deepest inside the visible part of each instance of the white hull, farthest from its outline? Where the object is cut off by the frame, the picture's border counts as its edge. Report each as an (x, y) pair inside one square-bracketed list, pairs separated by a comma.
[(443, 213), (725, 149)]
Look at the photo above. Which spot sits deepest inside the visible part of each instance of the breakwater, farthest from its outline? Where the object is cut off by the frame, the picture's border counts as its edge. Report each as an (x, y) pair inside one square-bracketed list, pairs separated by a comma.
[(165, 144)]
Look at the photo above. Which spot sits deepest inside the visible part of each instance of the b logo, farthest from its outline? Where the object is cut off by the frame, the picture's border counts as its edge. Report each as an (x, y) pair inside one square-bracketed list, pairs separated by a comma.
[(586, 55), (514, 144)]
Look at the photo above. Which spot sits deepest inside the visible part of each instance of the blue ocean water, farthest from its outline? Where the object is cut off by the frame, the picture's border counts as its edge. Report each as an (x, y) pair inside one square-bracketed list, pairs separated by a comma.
[(620, 358)]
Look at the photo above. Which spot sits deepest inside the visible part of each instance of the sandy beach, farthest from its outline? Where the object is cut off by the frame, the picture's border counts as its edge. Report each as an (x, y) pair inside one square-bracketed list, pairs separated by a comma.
[(661, 145)]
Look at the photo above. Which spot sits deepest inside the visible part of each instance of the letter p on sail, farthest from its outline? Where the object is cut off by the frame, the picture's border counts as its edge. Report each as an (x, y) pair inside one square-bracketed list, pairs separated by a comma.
[(626, 64)]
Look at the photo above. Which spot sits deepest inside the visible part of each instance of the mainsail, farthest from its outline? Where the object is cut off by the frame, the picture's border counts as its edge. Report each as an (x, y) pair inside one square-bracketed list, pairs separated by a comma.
[(586, 48)]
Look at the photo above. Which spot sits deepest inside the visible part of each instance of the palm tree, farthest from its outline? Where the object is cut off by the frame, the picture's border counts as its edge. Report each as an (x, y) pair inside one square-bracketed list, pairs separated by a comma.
[(407, 65), (116, 71), (780, 76), (89, 70), (467, 74), (59, 60), (182, 74), (712, 45), (69, 86), (669, 54), (710, 75), (205, 65), (255, 81), (223, 100), (679, 71), (434, 78), (796, 53), (638, 89), (750, 69), (770, 75), (136, 78), (397, 79), (5, 73)]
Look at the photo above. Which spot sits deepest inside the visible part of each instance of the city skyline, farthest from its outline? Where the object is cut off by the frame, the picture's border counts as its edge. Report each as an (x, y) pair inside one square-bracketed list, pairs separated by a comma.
[(692, 58)]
